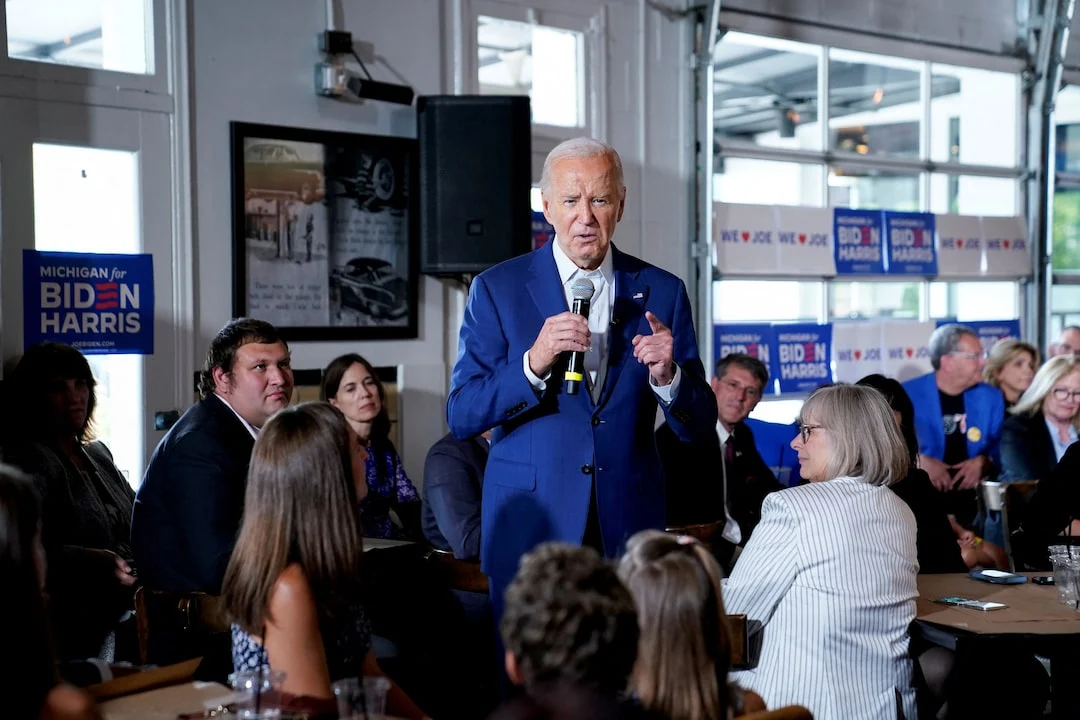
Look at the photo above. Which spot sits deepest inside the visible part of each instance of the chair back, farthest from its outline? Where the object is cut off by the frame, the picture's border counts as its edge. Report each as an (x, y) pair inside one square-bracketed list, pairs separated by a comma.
[(789, 712), (705, 532), (457, 574), (180, 625)]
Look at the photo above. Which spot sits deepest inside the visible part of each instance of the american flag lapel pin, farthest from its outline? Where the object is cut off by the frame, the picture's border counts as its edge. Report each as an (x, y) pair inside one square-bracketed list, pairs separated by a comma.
[(638, 296)]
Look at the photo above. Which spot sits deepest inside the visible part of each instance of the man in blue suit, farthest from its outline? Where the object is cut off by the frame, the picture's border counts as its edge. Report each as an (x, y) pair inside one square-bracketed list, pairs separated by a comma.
[(579, 468)]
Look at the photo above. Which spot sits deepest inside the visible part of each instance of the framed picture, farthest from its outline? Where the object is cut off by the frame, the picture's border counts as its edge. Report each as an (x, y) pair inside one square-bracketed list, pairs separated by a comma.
[(325, 232)]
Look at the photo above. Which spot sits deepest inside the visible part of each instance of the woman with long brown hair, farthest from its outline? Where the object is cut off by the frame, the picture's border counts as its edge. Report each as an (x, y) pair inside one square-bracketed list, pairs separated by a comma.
[(684, 650), (293, 585)]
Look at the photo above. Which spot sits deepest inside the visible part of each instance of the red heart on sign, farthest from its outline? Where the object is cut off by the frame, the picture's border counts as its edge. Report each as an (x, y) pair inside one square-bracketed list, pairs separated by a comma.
[(802, 238), (909, 352), (1005, 243), (959, 243), (858, 354), (745, 236)]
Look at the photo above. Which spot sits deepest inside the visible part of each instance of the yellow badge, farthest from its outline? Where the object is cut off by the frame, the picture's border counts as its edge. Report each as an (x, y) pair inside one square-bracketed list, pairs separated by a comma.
[(974, 434)]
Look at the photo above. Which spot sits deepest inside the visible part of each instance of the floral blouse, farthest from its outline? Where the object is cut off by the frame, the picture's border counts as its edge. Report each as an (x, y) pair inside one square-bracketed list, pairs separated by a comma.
[(388, 488)]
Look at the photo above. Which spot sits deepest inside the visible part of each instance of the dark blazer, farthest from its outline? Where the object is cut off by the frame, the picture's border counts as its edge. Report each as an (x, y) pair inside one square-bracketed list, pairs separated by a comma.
[(453, 487), (695, 483), (1027, 451), (1051, 508), (935, 540), (549, 449), (188, 509)]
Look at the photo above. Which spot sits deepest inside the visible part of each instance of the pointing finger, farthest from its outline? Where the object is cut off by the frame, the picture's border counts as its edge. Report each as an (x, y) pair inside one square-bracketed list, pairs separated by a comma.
[(654, 322)]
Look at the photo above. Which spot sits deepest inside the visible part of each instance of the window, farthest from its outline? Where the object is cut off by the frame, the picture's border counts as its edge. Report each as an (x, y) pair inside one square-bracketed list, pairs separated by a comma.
[(545, 63), (873, 189), (766, 301), (764, 182), (974, 195), (874, 104), (977, 300), (863, 300), (104, 34), (1066, 232)]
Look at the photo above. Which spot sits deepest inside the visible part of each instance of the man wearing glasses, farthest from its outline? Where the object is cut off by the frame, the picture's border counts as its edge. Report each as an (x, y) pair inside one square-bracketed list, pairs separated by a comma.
[(727, 479), (958, 419)]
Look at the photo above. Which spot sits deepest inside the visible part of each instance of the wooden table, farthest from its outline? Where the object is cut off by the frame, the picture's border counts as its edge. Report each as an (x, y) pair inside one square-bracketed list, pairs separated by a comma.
[(1035, 621)]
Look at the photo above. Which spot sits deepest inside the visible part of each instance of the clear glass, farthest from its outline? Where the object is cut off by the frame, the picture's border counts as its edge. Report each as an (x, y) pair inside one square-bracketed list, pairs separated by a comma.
[(545, 63), (974, 195), (254, 688), (766, 182), (766, 92), (1066, 230), (87, 200), (969, 301), (874, 104), (873, 189), (1067, 120), (867, 300), (361, 699), (104, 34), (1064, 308), (766, 301), (962, 101)]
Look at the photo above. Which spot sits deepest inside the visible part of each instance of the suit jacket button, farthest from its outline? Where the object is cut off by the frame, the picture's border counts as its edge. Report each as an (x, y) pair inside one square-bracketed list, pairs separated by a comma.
[(596, 420), (587, 469)]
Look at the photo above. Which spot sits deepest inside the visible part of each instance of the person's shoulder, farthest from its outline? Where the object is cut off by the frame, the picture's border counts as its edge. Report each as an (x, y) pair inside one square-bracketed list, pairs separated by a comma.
[(1020, 423), (513, 268), (919, 381), (633, 264), (292, 596)]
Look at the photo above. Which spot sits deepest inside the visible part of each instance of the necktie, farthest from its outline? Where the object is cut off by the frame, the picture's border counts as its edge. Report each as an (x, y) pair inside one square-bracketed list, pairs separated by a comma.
[(732, 533), (594, 366)]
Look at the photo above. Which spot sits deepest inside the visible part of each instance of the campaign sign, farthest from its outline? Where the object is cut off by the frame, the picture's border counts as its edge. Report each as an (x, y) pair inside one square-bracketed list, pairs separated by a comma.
[(1008, 253), (745, 239), (805, 240), (803, 356), (911, 243), (857, 235), (543, 232), (991, 331), (857, 347), (755, 340), (960, 246), (97, 303)]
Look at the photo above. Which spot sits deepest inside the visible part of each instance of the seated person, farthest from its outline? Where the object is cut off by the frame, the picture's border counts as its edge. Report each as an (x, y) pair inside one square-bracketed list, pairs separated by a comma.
[(28, 678), (86, 501), (1010, 367), (453, 488), (1044, 423), (571, 636), (293, 587), (1052, 511), (684, 653), (351, 385)]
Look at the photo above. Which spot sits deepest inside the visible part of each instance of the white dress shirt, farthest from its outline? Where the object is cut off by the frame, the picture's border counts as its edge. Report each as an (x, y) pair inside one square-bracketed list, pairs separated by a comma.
[(732, 532), (250, 428), (603, 300)]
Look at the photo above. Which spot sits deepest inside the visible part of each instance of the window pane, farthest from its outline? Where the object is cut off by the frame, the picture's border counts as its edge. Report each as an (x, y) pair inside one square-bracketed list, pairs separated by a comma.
[(970, 301), (107, 34), (873, 189), (862, 300), (516, 58), (765, 92), (766, 301), (1064, 308), (973, 195), (874, 106), (765, 182), (1066, 249), (1067, 119), (962, 101)]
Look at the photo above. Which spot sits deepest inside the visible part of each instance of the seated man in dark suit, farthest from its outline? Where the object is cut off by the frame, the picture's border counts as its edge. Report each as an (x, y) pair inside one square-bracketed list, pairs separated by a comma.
[(453, 487), (724, 479), (188, 508)]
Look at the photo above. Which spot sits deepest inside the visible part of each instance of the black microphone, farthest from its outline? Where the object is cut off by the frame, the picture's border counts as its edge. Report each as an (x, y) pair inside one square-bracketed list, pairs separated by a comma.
[(582, 290)]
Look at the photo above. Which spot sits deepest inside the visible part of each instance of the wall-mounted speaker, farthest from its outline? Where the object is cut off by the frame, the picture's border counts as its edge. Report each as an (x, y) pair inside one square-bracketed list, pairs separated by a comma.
[(475, 181)]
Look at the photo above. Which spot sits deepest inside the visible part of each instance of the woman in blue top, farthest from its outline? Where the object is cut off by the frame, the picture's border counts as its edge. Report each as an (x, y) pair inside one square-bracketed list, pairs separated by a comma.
[(351, 385)]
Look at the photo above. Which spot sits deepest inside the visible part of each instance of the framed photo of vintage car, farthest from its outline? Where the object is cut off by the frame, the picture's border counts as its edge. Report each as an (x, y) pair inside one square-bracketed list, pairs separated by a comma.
[(325, 232)]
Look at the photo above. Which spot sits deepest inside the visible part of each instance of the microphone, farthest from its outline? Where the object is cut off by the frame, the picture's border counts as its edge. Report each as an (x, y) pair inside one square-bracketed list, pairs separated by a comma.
[(582, 290)]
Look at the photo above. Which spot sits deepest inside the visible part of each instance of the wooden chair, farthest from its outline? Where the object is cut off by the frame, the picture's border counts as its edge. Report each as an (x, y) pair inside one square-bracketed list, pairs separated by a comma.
[(790, 712), (191, 621), (457, 574)]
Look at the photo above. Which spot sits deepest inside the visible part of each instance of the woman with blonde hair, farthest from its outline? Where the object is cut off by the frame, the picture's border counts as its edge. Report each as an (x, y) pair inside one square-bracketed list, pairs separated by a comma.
[(684, 649), (1043, 423), (831, 569), (1010, 367)]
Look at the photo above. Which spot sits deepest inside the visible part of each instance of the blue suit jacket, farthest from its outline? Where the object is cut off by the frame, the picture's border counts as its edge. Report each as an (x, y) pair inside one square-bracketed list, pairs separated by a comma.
[(985, 408), (548, 448)]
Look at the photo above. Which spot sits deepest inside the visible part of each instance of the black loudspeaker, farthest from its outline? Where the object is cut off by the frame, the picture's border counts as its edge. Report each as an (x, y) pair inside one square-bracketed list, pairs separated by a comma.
[(475, 181)]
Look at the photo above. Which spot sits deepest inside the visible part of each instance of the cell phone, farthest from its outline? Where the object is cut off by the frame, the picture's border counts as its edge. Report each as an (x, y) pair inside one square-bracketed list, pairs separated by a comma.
[(957, 601), (1043, 579), (998, 577)]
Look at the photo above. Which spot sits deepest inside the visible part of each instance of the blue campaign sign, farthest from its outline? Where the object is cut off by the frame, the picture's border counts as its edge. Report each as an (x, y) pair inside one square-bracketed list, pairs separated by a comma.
[(755, 340), (910, 237), (858, 247), (803, 356), (97, 303), (543, 232), (990, 331)]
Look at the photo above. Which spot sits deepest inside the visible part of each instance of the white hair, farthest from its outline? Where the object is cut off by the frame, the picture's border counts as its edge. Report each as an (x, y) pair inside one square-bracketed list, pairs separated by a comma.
[(1049, 375), (581, 147)]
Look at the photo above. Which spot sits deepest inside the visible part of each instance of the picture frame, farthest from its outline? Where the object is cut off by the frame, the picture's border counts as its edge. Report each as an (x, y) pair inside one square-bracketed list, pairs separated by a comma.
[(326, 238)]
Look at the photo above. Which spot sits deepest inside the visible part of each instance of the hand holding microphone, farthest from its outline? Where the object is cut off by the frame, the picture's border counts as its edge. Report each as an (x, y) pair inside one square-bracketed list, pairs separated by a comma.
[(565, 332)]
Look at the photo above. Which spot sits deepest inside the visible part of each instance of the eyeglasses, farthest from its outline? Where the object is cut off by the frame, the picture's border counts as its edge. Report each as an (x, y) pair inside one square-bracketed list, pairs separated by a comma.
[(973, 356), (751, 392), (1067, 394), (805, 430)]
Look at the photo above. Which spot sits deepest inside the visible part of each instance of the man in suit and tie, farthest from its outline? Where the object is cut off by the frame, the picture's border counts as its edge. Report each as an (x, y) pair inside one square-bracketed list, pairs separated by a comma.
[(453, 485), (576, 467), (188, 508)]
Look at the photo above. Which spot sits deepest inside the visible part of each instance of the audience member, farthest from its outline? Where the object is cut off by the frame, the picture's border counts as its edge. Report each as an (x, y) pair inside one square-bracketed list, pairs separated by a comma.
[(86, 501), (453, 488), (571, 636), (830, 570), (684, 652), (1068, 343), (293, 587), (740, 479), (1044, 423), (957, 420), (1010, 367), (188, 509), (351, 385), (28, 678), (1052, 511)]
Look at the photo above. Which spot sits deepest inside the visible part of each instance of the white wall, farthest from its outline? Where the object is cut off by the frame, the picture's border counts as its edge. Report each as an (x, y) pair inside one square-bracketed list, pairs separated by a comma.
[(252, 61)]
